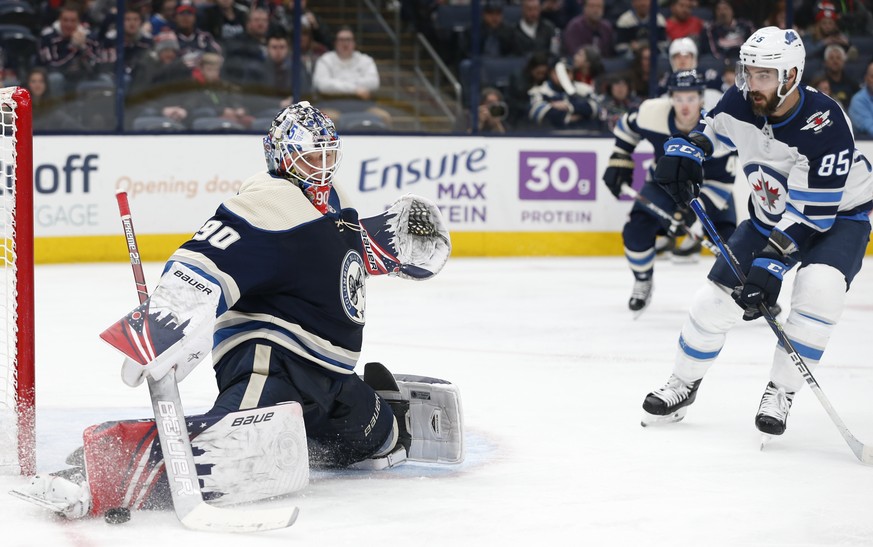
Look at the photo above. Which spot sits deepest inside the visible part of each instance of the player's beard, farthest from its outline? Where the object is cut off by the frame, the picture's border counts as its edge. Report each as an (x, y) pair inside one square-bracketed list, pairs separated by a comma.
[(765, 109)]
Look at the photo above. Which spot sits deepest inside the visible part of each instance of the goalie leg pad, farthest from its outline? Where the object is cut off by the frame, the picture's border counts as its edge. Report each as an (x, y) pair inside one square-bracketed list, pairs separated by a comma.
[(435, 419), (240, 457)]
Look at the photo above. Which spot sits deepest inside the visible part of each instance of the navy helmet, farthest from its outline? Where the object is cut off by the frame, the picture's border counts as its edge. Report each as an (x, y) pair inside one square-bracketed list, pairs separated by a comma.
[(686, 80)]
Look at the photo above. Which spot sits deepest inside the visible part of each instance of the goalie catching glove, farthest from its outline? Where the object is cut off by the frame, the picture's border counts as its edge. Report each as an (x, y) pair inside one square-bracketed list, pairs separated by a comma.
[(409, 240), (170, 330)]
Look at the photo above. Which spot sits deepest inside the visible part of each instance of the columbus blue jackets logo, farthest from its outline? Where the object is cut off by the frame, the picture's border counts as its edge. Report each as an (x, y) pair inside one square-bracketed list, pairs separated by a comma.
[(769, 188), (818, 121), (352, 287)]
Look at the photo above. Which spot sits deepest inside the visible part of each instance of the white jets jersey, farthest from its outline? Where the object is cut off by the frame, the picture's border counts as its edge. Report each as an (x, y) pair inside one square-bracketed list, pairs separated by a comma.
[(803, 171)]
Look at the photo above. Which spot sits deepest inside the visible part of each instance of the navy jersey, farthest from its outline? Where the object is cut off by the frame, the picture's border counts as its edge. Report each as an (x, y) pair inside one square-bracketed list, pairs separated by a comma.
[(803, 171), (287, 273), (655, 121)]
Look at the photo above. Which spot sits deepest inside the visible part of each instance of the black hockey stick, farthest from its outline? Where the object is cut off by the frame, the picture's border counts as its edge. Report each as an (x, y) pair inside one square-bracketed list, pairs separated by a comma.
[(188, 501), (676, 224), (862, 451)]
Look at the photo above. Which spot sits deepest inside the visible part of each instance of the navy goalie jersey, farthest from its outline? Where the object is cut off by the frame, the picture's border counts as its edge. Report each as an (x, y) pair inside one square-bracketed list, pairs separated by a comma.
[(287, 273), (803, 171)]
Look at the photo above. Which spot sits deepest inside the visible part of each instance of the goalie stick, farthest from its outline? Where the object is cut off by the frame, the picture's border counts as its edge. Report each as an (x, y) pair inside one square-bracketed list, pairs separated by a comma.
[(863, 452), (188, 501), (676, 224)]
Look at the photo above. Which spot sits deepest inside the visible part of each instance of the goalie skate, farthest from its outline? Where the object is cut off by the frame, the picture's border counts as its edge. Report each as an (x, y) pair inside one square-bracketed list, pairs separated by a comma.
[(670, 403), (69, 497)]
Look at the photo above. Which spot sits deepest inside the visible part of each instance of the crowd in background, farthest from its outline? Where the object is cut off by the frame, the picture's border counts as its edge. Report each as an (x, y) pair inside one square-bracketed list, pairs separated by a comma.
[(546, 65)]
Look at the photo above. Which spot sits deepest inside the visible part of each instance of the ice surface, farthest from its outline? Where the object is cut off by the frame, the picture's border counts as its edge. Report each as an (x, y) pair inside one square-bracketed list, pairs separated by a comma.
[(552, 371)]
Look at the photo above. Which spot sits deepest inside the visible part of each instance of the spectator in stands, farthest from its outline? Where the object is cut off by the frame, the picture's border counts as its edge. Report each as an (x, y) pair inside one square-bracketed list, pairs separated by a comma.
[(843, 87), (554, 106), (216, 94), (224, 20), (821, 83), (824, 32), (279, 76), (560, 12), (251, 44), (49, 114), (67, 50), (310, 51), (193, 42), (493, 111), (682, 21), (683, 56), (641, 67), (495, 35), (728, 77), (618, 99), (590, 29), (632, 29), (586, 65), (319, 30), (163, 16), (723, 36), (162, 70), (534, 73), (533, 33), (853, 17), (861, 106), (137, 44), (349, 77)]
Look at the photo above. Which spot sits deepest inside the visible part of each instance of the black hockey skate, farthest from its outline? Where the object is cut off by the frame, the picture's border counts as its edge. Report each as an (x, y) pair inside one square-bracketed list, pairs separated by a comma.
[(378, 377), (772, 416), (640, 296), (670, 403)]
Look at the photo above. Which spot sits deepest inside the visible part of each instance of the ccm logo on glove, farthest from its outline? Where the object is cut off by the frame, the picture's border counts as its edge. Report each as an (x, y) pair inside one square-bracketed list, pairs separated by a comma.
[(685, 150)]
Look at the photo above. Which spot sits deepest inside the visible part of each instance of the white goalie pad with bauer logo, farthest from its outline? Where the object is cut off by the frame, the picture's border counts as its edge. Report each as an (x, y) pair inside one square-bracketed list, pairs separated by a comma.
[(435, 419)]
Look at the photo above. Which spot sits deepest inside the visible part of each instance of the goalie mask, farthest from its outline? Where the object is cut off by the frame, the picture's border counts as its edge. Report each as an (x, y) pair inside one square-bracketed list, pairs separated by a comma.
[(772, 47), (303, 146)]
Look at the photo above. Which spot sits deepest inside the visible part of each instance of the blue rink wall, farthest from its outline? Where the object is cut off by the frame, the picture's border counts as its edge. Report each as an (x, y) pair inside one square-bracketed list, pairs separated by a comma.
[(500, 196)]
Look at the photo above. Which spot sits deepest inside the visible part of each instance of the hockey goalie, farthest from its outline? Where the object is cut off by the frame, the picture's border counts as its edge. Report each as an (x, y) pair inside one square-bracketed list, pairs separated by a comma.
[(273, 285)]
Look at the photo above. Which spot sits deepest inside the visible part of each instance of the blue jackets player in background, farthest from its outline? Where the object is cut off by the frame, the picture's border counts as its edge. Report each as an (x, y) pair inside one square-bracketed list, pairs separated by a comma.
[(656, 120), (273, 285), (811, 195)]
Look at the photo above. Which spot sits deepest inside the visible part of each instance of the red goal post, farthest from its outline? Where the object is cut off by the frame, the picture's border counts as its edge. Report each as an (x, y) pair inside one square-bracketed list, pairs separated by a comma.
[(17, 378)]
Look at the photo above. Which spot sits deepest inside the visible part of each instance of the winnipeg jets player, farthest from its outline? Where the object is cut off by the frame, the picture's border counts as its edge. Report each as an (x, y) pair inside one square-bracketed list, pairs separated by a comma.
[(811, 193), (656, 120), (273, 284)]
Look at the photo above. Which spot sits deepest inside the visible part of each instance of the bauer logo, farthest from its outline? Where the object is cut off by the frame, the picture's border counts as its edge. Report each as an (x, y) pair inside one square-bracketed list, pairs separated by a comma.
[(557, 175)]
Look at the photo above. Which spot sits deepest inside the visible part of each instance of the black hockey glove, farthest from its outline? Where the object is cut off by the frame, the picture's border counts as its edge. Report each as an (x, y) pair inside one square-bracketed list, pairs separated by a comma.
[(619, 171), (680, 170), (763, 281)]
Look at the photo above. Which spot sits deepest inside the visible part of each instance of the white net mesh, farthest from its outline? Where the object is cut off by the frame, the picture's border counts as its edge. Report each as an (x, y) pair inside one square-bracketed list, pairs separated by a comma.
[(8, 308)]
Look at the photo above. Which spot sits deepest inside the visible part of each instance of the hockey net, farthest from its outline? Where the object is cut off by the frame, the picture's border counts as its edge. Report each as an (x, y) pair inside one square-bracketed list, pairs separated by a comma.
[(17, 414)]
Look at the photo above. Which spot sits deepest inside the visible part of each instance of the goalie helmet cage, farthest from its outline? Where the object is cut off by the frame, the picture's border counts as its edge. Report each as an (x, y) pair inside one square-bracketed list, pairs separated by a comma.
[(17, 386)]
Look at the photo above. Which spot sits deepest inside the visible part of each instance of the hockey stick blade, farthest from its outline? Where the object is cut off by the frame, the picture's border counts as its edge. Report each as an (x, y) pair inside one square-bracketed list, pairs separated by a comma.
[(191, 509), (863, 452)]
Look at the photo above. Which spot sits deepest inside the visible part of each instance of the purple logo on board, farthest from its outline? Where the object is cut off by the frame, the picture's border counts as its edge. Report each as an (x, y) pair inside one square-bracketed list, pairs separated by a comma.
[(557, 175)]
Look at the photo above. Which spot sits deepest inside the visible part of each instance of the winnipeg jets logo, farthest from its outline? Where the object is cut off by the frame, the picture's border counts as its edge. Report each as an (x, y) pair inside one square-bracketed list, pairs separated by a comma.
[(353, 292), (818, 121), (768, 188)]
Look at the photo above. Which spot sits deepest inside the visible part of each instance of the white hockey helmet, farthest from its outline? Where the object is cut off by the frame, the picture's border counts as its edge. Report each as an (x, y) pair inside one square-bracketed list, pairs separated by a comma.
[(303, 145), (682, 46), (773, 47)]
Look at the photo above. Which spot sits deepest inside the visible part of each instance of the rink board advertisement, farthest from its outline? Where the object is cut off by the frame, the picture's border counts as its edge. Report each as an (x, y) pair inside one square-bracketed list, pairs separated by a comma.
[(500, 196)]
